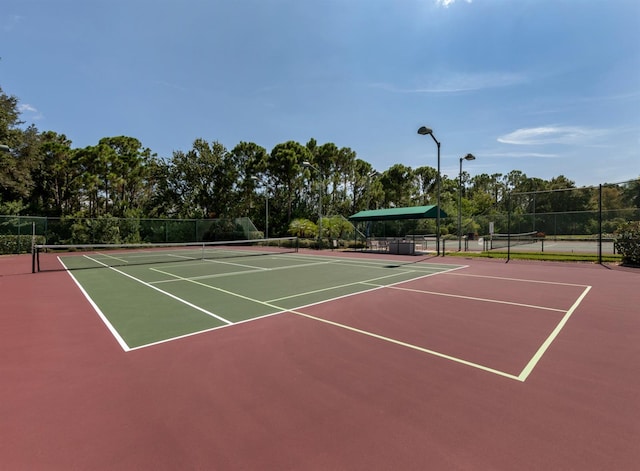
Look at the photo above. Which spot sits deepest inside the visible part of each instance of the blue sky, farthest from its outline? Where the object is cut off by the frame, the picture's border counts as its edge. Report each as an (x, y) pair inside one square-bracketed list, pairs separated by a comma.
[(547, 87)]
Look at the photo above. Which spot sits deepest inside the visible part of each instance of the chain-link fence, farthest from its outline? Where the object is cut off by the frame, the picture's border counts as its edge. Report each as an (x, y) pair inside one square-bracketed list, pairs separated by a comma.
[(18, 233), (581, 222)]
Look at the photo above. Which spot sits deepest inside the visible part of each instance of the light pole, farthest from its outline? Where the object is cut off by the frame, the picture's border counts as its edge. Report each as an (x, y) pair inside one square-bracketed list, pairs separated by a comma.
[(266, 205), (370, 175), (466, 157), (423, 131), (310, 165)]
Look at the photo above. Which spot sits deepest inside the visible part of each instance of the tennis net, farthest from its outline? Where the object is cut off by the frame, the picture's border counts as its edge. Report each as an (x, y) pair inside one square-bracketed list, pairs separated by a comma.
[(79, 256), (500, 241)]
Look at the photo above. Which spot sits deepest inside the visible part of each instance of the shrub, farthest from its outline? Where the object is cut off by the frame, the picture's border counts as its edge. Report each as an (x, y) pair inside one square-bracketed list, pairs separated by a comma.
[(627, 242), (303, 228), (14, 244)]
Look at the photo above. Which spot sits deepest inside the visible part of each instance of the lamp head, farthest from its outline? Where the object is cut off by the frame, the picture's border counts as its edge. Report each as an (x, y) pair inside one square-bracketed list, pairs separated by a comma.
[(425, 130), (469, 157)]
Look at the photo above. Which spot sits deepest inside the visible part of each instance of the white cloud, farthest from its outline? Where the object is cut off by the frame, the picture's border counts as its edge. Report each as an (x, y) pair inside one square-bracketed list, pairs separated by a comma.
[(446, 3), (27, 108), (550, 135)]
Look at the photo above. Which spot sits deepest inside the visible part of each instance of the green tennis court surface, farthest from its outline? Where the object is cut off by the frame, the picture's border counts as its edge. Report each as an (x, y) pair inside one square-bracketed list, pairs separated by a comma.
[(145, 304)]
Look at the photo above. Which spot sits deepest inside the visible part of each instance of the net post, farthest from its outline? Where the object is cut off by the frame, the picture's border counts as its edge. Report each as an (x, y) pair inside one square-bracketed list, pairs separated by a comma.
[(35, 259), (33, 247)]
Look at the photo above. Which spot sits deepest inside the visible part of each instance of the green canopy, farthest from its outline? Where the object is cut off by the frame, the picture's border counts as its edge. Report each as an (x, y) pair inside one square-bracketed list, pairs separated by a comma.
[(393, 214)]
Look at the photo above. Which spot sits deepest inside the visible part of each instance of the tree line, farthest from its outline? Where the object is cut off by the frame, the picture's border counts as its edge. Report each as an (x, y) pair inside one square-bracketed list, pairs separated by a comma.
[(44, 175)]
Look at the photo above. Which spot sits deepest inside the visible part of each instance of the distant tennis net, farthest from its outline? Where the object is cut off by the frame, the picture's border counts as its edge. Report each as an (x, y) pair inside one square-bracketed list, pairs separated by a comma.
[(80, 256), (501, 241)]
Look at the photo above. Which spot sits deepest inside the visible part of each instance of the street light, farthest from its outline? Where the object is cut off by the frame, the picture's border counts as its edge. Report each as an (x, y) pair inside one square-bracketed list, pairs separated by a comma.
[(5, 148), (466, 157), (423, 131), (310, 165), (266, 205)]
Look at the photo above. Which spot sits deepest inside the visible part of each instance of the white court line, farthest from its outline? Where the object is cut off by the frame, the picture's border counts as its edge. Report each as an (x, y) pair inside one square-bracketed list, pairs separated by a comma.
[(233, 264), (107, 256), (205, 277), (519, 279), (191, 334), (330, 260), (345, 285), (353, 329), (473, 298), (346, 327), (545, 345), (166, 293), (280, 309), (411, 346), (106, 322), (269, 302), (220, 275), (378, 262), (521, 377)]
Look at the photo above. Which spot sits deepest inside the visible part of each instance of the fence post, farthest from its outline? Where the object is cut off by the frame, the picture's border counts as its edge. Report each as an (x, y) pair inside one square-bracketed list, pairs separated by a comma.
[(508, 227), (600, 224)]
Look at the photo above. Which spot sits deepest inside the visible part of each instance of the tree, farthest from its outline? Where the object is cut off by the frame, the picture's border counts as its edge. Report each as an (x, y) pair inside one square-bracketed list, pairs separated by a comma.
[(399, 185), (285, 165), (56, 178), (251, 162), (365, 187), (426, 184), (164, 192), (91, 169), (9, 119), (126, 174), (203, 180), (15, 166)]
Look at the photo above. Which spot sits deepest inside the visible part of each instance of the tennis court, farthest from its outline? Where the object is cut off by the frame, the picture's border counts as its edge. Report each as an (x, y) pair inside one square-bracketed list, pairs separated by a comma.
[(188, 291), (307, 360), (170, 292)]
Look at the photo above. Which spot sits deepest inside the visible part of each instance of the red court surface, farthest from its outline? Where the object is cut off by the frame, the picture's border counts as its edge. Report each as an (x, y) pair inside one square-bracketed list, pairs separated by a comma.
[(377, 381)]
